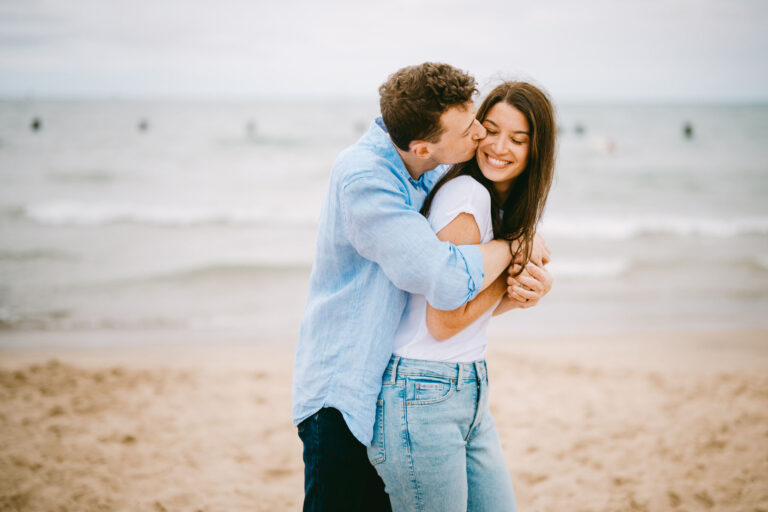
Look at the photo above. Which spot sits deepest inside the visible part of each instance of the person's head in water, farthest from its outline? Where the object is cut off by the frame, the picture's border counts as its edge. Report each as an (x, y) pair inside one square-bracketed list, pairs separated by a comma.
[(428, 111), (515, 161)]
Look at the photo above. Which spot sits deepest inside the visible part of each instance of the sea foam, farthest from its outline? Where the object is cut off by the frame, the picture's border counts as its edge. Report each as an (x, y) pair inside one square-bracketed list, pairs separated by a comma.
[(68, 213), (617, 228), (588, 268), (72, 213)]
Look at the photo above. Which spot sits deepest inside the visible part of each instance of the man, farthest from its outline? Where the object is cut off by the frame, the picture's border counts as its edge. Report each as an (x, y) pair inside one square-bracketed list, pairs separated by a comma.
[(373, 248)]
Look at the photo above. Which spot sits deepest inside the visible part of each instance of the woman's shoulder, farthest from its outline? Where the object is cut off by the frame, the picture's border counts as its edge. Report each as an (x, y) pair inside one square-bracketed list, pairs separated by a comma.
[(464, 182), (464, 190), (462, 194)]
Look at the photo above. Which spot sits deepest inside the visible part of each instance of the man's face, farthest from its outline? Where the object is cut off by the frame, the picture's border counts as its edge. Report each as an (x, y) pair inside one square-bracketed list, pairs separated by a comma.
[(458, 141)]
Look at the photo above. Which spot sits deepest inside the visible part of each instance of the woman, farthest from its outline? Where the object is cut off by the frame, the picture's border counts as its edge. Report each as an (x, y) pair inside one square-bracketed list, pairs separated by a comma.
[(435, 443)]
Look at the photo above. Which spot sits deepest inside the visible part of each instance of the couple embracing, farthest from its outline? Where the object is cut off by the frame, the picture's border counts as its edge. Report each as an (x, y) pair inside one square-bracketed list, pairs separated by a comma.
[(427, 230)]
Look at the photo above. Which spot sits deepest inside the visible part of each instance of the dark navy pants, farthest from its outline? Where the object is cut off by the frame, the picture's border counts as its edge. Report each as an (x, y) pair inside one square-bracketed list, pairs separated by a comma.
[(337, 474)]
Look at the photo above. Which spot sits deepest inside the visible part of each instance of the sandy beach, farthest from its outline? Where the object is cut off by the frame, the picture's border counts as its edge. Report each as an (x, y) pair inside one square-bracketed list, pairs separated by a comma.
[(656, 421)]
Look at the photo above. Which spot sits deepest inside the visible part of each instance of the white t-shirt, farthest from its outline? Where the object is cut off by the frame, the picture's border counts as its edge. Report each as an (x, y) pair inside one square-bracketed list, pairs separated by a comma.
[(412, 339)]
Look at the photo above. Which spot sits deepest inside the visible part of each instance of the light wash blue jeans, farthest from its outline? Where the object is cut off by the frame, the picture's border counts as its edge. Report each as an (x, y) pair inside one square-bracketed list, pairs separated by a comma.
[(435, 443)]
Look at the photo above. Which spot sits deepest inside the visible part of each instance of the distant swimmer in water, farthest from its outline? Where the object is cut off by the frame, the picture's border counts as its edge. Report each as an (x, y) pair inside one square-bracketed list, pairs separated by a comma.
[(143, 125), (579, 129), (604, 145), (36, 124), (688, 130)]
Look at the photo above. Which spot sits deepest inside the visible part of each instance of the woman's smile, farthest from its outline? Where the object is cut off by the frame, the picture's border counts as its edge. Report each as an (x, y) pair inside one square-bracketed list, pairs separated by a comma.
[(496, 162)]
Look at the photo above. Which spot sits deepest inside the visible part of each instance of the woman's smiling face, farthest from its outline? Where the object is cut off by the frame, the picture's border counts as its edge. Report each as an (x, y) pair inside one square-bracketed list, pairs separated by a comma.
[(503, 154)]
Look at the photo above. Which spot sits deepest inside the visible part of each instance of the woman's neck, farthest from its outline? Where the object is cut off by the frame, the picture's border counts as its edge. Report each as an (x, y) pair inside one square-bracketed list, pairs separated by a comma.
[(502, 189)]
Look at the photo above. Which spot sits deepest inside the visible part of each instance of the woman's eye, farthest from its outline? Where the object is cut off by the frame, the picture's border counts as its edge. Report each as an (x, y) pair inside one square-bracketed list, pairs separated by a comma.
[(518, 142), (491, 132)]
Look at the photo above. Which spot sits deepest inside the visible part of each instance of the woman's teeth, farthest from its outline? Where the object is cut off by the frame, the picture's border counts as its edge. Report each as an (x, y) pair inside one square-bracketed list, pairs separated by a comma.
[(498, 163)]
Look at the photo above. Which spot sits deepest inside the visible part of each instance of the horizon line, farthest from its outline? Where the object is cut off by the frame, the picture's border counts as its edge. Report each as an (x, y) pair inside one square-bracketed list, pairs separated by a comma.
[(260, 97)]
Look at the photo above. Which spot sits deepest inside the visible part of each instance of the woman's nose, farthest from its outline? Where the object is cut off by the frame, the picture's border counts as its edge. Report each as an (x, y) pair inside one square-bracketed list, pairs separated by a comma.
[(499, 146)]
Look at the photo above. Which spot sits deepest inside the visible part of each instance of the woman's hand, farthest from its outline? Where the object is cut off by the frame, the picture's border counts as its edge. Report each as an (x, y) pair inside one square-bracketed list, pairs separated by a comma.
[(540, 254), (529, 286)]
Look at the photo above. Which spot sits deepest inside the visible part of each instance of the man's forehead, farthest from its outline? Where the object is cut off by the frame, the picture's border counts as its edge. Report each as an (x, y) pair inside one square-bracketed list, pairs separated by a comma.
[(465, 107), (460, 113)]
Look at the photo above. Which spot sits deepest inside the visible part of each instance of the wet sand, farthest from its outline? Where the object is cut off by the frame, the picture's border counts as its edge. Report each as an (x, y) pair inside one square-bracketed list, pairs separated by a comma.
[(654, 421)]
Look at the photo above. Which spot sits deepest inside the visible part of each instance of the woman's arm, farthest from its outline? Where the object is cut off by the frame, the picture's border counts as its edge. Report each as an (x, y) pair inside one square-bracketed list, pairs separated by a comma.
[(463, 230)]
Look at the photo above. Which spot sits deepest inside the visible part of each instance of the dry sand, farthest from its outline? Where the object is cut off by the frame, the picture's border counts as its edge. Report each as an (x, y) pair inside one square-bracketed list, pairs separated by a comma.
[(652, 422)]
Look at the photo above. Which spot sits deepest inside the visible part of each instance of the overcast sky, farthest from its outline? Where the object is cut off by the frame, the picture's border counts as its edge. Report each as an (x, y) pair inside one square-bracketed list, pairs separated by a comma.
[(674, 50)]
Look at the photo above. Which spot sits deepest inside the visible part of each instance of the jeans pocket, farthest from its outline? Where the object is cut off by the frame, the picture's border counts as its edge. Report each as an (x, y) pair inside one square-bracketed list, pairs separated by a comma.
[(429, 391), (376, 452)]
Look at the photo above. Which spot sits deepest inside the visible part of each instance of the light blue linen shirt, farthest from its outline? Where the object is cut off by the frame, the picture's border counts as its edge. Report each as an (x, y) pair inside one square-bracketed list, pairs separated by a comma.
[(373, 247)]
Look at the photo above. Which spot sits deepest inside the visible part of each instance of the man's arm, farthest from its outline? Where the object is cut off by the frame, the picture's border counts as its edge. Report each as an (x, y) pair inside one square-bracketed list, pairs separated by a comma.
[(497, 255), (524, 291), (444, 324), (384, 229)]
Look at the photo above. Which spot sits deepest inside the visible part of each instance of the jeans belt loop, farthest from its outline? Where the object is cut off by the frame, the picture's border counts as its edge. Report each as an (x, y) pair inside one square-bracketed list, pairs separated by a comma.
[(458, 379), (479, 372), (393, 377)]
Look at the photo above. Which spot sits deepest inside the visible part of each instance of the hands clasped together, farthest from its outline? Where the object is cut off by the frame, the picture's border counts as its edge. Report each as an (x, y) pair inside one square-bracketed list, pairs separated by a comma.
[(526, 288)]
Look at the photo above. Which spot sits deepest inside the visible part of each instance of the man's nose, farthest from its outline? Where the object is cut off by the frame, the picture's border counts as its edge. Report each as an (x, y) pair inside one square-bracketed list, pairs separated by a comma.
[(479, 131)]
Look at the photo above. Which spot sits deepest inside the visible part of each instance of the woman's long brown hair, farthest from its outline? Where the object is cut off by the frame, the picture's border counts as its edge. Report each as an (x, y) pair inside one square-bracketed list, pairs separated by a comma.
[(528, 194)]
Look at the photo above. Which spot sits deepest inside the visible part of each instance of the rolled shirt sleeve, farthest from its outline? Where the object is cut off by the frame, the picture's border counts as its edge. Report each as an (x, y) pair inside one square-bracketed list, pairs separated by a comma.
[(384, 229)]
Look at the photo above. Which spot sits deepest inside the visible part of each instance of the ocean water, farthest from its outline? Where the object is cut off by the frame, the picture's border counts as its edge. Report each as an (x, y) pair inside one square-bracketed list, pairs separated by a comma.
[(206, 218)]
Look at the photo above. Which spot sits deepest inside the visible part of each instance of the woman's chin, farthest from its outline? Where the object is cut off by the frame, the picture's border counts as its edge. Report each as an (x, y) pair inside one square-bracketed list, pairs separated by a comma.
[(490, 174)]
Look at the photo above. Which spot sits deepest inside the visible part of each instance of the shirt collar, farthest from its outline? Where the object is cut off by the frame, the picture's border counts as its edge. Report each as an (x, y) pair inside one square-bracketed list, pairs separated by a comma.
[(379, 137)]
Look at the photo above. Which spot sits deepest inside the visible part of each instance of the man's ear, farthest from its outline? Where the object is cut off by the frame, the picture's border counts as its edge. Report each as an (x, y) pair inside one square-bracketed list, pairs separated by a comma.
[(420, 149)]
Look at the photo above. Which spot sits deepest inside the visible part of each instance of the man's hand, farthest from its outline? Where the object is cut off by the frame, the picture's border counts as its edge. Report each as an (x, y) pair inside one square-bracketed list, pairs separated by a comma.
[(530, 286), (540, 254)]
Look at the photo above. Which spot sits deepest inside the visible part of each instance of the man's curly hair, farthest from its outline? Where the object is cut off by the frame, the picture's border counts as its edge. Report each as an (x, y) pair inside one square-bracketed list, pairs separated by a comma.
[(413, 99)]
